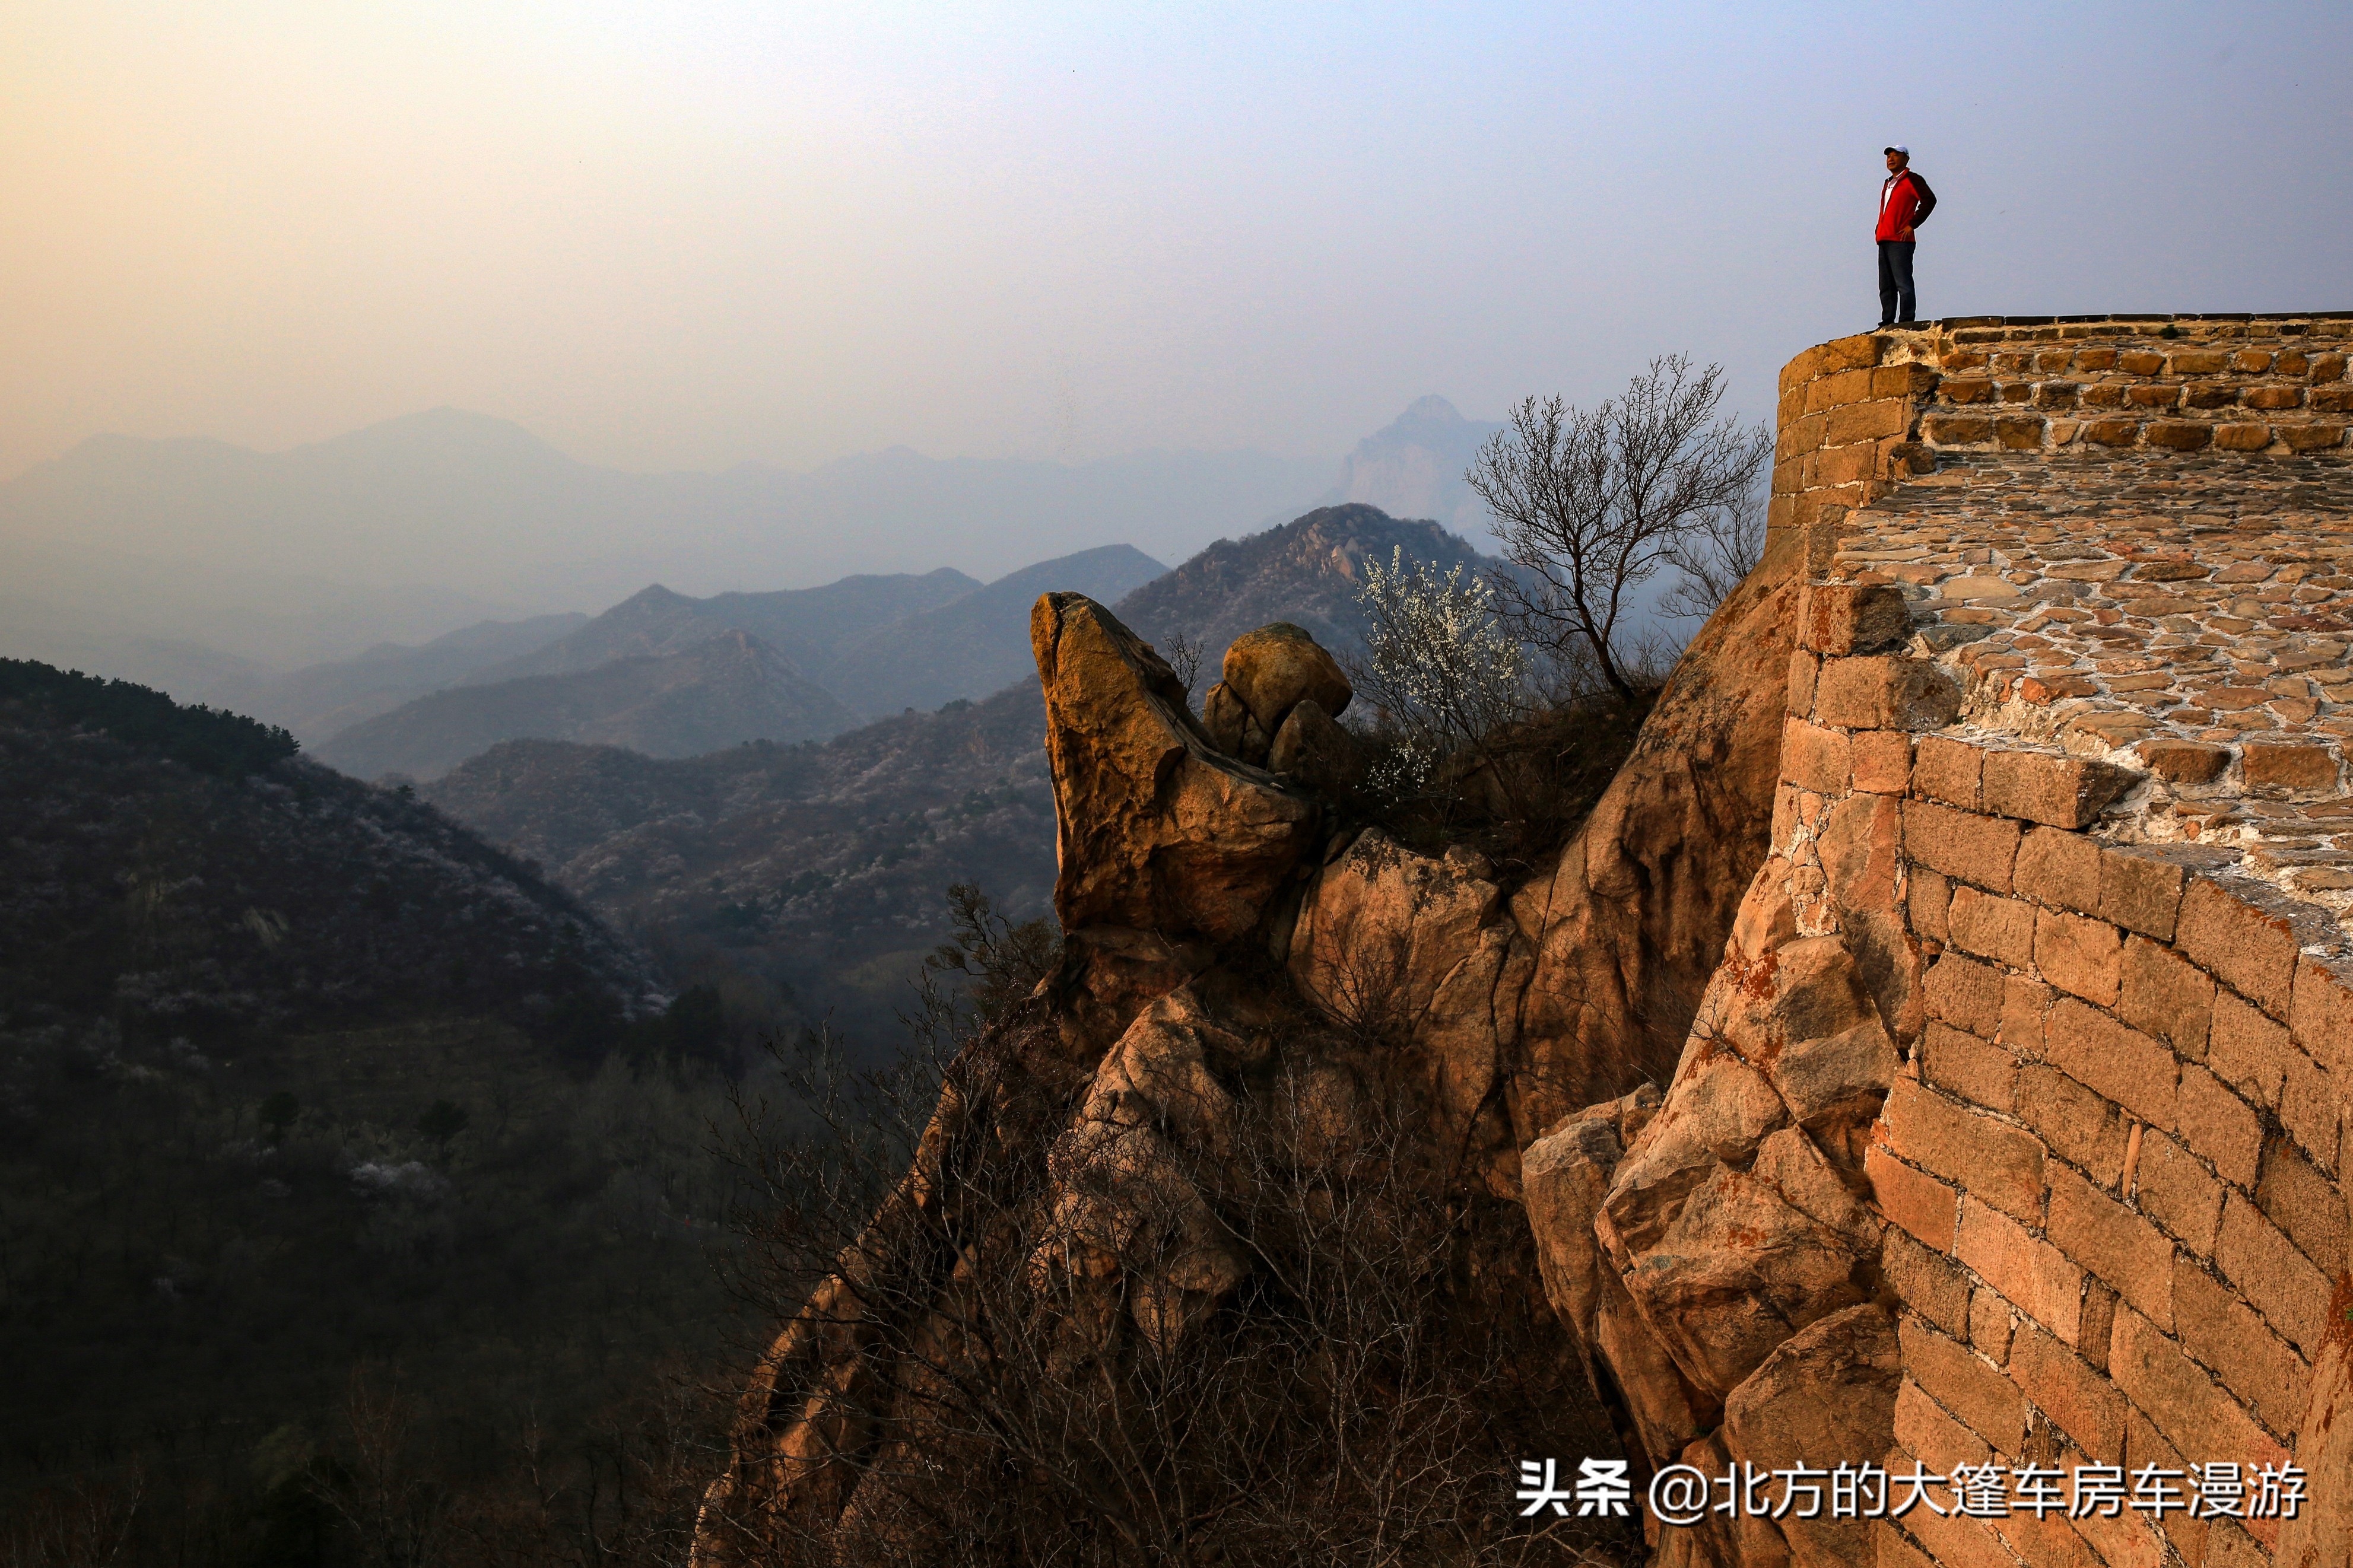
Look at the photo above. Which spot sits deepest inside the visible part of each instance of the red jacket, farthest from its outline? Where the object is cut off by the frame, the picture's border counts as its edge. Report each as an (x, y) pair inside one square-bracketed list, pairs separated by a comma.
[(1904, 202)]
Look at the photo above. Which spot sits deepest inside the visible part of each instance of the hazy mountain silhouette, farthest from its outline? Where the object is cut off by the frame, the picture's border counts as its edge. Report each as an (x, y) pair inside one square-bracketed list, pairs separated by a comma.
[(1413, 467), (323, 699), (480, 505), (717, 693)]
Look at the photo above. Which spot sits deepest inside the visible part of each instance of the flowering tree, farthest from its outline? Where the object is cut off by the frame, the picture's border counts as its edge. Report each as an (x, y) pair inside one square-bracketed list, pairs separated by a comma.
[(1439, 662)]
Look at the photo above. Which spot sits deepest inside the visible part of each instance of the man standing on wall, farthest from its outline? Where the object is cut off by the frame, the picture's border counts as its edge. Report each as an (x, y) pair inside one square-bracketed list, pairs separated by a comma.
[(1904, 203)]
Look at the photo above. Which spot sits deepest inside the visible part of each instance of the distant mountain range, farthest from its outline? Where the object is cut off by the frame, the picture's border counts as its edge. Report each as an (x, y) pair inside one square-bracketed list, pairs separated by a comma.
[(483, 507), (1414, 467)]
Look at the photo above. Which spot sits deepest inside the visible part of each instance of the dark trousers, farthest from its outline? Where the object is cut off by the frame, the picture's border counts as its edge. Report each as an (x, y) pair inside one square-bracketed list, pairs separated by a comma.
[(1896, 301)]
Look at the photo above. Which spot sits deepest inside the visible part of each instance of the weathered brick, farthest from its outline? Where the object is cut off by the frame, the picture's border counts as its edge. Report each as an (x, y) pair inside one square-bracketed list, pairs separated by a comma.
[(1957, 429), (1988, 1403), (2120, 1247), (2079, 955), (1919, 1203), (1965, 993), (2179, 434), (2248, 1051), (2251, 950), (1991, 926), (2145, 1446), (2288, 768), (2222, 1129), (1997, 1163), (2079, 1126), (2297, 1197), (2025, 1006), (1959, 1540), (2140, 891), (1867, 421), (2258, 1367), (2063, 1386), (1842, 618), (1929, 898), (1814, 758), (2164, 994), (1804, 667), (2184, 762), (2056, 866), (1961, 843), (2018, 434), (1974, 1069), (2060, 792), (2196, 362), (2112, 432), (2277, 1280), (1947, 771), (1927, 1282), (2320, 1016), (2196, 1414), (2038, 1278), (2242, 436), (2311, 437), (2119, 1063), (2311, 1109), (2175, 1190), (1885, 691), (1881, 760)]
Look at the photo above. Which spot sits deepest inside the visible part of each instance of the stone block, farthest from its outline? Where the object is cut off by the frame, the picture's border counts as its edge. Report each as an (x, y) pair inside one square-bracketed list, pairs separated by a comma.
[(2063, 1386), (1965, 993), (2035, 1276), (2300, 1199), (2058, 790), (2311, 437), (2222, 1129), (2079, 1127), (2059, 868), (2184, 762), (2269, 397), (2120, 1247), (2242, 436), (1867, 421), (2179, 434), (1947, 771), (1957, 430), (2164, 994), (1928, 896), (2140, 891), (2140, 362), (1803, 669), (1885, 691), (1965, 389), (2320, 1014), (1847, 618), (2025, 1004), (2111, 432), (2175, 1190), (2248, 1051), (1924, 1427), (1973, 1069), (2017, 434), (1813, 758), (2289, 768), (2117, 1063), (2310, 1107), (1991, 1325), (1991, 926), (1923, 1205), (1963, 845), (1998, 1164), (1881, 760), (2079, 955), (2196, 362), (2153, 396), (1954, 1377), (1925, 1279), (2251, 948), (2256, 1366)]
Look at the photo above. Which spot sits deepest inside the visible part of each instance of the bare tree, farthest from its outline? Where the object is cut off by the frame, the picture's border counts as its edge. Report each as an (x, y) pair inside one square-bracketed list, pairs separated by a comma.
[(1713, 558), (1589, 503), (1183, 656)]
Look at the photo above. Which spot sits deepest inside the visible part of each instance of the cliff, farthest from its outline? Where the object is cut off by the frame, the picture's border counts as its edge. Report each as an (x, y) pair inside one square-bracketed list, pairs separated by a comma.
[(1928, 1050)]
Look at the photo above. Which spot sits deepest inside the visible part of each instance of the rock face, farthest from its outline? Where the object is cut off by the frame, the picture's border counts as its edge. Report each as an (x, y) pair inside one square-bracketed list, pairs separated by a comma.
[(1896, 1067)]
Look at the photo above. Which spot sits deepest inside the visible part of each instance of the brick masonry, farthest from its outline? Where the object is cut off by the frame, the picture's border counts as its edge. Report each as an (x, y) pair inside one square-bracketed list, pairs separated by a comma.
[(2080, 593)]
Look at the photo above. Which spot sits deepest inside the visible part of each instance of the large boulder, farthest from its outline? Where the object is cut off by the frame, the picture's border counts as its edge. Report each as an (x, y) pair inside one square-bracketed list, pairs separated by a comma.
[(1158, 830), (1277, 667)]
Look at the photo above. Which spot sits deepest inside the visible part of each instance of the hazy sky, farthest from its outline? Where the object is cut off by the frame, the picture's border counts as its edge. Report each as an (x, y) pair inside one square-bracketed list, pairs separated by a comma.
[(696, 233)]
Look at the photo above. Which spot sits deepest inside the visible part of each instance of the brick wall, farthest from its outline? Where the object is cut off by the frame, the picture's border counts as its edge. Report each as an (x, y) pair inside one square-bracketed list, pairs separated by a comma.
[(1859, 414), (2113, 1157)]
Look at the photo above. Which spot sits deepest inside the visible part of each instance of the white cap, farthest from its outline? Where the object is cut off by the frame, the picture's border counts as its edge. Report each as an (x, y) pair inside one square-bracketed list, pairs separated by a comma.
[(1899, 147)]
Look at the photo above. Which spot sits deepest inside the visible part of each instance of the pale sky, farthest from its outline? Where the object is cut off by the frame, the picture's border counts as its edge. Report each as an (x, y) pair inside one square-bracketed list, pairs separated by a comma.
[(693, 235)]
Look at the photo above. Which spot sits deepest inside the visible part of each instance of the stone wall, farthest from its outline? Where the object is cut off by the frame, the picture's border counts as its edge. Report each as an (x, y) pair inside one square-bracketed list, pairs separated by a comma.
[(2062, 778)]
